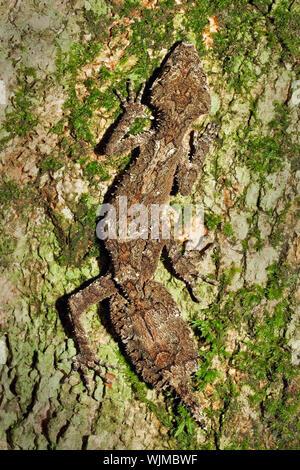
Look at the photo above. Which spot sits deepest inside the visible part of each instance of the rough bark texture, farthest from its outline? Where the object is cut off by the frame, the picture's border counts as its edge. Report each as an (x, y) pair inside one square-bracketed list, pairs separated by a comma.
[(59, 64)]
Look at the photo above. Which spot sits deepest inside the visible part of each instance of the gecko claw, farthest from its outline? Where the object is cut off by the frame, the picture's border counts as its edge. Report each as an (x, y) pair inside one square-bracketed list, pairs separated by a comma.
[(82, 364), (130, 92), (133, 105), (208, 280), (140, 93), (121, 97)]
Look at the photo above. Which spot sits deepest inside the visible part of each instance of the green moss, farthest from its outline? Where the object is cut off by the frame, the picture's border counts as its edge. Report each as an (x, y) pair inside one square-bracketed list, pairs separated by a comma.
[(281, 417), (138, 126), (20, 121), (276, 282), (212, 221), (185, 429), (80, 54), (128, 6), (50, 163), (79, 112), (20, 118), (155, 27), (94, 168), (283, 25), (76, 240), (276, 238), (263, 356), (243, 25), (227, 229), (263, 155), (7, 247), (8, 191)]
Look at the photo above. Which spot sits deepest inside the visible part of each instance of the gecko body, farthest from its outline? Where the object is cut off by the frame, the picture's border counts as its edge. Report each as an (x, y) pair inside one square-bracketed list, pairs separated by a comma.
[(157, 339)]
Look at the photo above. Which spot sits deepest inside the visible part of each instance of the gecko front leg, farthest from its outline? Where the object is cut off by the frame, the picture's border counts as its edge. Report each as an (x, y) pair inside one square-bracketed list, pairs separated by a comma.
[(186, 265), (189, 169), (133, 109)]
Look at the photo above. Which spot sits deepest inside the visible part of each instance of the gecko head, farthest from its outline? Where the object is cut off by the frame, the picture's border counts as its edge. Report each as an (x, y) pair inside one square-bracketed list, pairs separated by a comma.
[(181, 87)]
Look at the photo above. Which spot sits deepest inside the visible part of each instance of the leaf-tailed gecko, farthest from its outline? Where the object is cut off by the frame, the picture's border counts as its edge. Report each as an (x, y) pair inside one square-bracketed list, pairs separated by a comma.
[(157, 339)]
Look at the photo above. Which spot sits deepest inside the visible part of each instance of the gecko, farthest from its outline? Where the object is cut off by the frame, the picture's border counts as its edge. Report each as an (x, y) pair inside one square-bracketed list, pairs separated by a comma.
[(157, 340)]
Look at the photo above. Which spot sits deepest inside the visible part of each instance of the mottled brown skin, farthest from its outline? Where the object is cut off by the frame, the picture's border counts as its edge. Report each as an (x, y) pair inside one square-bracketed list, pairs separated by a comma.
[(157, 339)]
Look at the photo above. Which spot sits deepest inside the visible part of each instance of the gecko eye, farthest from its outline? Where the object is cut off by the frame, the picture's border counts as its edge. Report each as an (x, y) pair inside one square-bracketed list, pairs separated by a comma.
[(167, 69)]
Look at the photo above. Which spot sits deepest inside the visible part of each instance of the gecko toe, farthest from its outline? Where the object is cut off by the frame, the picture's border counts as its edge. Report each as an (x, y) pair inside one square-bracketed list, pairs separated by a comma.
[(83, 364)]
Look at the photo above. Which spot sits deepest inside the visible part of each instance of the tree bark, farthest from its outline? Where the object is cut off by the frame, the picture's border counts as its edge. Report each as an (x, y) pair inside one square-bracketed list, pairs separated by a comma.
[(247, 326)]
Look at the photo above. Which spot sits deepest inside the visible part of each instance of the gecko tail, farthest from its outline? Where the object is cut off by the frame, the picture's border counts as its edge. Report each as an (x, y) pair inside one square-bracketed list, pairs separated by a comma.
[(180, 383), (190, 398)]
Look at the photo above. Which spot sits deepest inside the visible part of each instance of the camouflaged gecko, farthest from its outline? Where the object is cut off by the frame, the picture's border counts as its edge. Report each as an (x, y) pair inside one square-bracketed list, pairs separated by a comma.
[(157, 339)]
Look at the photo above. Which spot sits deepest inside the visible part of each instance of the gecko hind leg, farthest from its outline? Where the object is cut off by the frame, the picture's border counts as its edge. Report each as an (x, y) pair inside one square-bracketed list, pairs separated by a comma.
[(98, 290)]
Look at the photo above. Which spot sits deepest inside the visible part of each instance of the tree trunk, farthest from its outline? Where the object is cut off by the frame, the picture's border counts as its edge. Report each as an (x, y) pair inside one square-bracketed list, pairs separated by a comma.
[(59, 66)]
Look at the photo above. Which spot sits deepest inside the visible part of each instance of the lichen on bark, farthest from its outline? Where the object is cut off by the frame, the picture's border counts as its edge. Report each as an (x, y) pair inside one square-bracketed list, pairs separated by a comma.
[(59, 68)]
